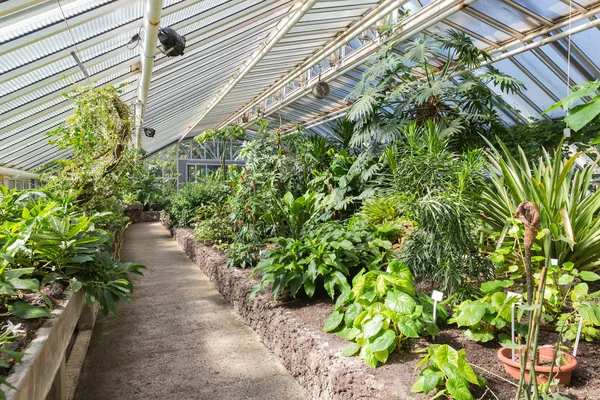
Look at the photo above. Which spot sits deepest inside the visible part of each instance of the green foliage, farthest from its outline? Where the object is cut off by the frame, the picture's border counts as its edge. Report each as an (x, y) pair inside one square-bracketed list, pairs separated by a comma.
[(418, 86), (437, 190), (324, 257), (144, 186), (568, 203), (213, 224), (226, 135), (99, 135), (242, 254), (48, 239), (448, 372), (8, 332), (580, 115), (380, 312), (185, 203), (487, 315)]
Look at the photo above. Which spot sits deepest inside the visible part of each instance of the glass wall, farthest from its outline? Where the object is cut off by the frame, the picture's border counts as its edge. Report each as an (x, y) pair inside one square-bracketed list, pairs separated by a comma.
[(185, 162)]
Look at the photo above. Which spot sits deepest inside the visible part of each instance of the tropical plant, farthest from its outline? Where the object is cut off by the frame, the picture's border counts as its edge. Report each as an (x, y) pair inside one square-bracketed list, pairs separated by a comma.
[(99, 135), (380, 312), (580, 115), (448, 372), (569, 206), (487, 315), (430, 79), (50, 239), (325, 257), (185, 203), (8, 332), (341, 134), (213, 224), (437, 190)]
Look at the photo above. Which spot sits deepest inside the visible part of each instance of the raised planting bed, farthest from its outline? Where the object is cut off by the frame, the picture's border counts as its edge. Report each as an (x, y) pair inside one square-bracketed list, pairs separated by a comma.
[(291, 329), (52, 361)]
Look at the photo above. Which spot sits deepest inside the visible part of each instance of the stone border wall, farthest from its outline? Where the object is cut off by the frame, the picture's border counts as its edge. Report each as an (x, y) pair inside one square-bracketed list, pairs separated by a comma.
[(311, 356)]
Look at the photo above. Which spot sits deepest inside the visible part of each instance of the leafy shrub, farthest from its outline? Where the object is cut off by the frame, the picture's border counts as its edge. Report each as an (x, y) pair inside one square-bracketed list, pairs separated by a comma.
[(325, 256), (380, 312), (568, 204), (213, 224), (448, 371), (46, 238), (99, 136), (488, 314), (242, 254), (185, 203)]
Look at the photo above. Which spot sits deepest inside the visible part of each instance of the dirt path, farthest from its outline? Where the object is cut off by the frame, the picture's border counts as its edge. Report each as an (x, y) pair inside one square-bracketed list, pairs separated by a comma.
[(179, 339)]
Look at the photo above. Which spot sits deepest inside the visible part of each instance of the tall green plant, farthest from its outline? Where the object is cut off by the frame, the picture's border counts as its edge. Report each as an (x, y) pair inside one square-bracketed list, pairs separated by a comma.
[(432, 79), (569, 205), (99, 135)]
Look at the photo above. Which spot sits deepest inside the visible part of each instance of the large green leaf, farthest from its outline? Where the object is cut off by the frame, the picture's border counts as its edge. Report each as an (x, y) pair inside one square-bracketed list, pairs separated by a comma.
[(350, 350), (400, 302), (384, 342), (458, 389), (470, 313), (334, 320), (22, 310), (373, 327)]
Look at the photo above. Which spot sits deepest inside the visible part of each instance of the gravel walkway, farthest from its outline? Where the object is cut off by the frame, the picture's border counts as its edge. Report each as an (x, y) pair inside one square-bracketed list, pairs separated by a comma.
[(179, 338)]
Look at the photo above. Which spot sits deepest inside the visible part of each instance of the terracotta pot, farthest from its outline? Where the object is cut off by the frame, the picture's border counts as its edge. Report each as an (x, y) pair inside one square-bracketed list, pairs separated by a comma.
[(562, 373)]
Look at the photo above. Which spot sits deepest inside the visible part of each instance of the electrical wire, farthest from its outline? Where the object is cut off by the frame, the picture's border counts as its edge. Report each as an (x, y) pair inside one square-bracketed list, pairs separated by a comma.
[(85, 73), (569, 51)]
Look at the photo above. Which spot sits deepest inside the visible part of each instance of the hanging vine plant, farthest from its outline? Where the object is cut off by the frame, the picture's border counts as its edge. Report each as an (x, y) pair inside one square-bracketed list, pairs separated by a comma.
[(99, 135)]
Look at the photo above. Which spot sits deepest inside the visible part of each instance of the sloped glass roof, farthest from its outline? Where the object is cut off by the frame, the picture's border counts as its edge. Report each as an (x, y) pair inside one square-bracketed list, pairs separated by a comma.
[(42, 41)]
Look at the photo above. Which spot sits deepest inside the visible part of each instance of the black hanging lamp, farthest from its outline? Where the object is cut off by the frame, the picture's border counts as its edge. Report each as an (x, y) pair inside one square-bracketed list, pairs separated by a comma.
[(321, 89)]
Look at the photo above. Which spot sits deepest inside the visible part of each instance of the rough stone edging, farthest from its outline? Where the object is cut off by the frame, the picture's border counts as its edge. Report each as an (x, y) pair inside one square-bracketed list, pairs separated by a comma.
[(305, 352)]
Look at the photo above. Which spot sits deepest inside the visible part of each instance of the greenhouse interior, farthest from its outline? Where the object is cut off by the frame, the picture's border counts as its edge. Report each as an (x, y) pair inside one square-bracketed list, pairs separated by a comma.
[(299, 199)]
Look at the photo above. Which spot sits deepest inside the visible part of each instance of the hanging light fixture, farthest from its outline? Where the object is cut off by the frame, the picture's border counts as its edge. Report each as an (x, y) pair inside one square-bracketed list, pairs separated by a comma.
[(321, 89), (172, 43), (149, 132)]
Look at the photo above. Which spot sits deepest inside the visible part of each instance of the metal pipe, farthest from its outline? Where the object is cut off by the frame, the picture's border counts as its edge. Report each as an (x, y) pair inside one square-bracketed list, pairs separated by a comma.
[(367, 21), (274, 38), (542, 42), (151, 25)]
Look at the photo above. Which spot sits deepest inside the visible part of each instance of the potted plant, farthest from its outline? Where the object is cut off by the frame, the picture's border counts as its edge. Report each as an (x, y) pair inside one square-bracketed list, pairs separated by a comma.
[(552, 365)]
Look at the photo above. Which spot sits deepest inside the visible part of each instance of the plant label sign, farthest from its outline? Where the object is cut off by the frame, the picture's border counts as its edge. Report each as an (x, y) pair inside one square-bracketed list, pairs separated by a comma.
[(437, 296), (513, 294)]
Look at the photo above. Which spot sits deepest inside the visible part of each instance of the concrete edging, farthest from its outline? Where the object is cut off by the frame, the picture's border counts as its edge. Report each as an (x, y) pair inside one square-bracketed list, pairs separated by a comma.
[(43, 372), (311, 356)]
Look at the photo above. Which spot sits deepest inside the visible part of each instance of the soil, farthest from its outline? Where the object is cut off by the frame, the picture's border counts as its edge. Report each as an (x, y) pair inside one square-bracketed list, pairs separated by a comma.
[(291, 328), (54, 292)]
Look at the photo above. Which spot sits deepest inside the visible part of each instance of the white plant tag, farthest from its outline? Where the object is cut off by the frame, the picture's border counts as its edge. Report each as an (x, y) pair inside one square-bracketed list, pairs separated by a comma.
[(513, 294), (437, 296)]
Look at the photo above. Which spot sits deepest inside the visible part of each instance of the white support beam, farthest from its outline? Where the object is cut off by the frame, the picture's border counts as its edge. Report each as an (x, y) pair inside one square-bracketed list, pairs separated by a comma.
[(370, 19), (10, 7), (17, 173), (279, 33), (147, 50), (103, 37)]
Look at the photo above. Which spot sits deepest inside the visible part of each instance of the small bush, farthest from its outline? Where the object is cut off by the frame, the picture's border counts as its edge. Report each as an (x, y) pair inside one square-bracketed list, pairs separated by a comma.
[(185, 203), (213, 224)]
